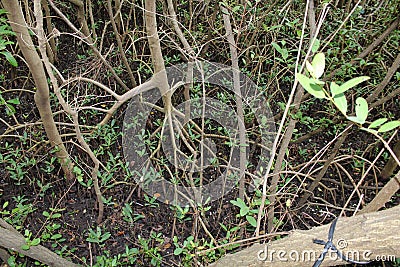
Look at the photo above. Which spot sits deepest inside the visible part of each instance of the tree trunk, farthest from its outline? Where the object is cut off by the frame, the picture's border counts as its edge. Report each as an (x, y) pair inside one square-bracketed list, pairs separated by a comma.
[(42, 98)]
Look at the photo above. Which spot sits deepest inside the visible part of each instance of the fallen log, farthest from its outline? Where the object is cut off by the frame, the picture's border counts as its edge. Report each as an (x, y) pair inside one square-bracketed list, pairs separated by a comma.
[(13, 240), (365, 237)]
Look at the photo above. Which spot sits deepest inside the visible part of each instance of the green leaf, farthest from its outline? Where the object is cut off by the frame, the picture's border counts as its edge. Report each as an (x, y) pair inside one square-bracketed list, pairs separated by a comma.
[(105, 236), (310, 68), (14, 101), (25, 247), (56, 215), (377, 123), (334, 89), (10, 110), (361, 109), (315, 46), (35, 242), (341, 103), (244, 211), (284, 53), (277, 47), (316, 81), (56, 236), (251, 220), (310, 86), (318, 64), (178, 251), (389, 126), (236, 9), (239, 203), (355, 119), (10, 58), (351, 83)]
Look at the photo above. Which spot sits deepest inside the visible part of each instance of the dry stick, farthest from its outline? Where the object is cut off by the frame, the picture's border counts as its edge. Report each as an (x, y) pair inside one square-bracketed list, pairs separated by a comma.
[(42, 100), (260, 21), (391, 187), (118, 7), (92, 23), (327, 163), (81, 18), (288, 134), (278, 165), (392, 70), (121, 99), (383, 196), (4, 255), (386, 98), (86, 37), (67, 107), (95, 169), (292, 124), (51, 46), (238, 98), (160, 76), (275, 144), (119, 43), (188, 49), (367, 171), (189, 79), (370, 48)]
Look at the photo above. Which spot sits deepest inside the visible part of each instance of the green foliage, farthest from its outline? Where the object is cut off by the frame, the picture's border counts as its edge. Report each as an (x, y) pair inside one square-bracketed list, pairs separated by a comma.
[(29, 242), (248, 211), (97, 236), (128, 215), (9, 104), (315, 87), (188, 249), (5, 30), (18, 214), (149, 251), (181, 213), (128, 258)]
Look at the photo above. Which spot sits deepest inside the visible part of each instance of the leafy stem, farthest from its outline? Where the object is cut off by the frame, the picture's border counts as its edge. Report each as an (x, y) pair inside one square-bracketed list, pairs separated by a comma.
[(315, 87)]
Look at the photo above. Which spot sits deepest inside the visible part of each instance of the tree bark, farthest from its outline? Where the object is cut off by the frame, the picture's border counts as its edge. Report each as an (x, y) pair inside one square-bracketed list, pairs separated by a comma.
[(42, 98), (369, 235)]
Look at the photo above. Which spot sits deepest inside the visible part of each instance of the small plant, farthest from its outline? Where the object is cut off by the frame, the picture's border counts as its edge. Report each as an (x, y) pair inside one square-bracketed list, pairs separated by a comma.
[(151, 252), (128, 215), (187, 251), (30, 242), (128, 258), (230, 236), (151, 201), (180, 213), (17, 215), (249, 211), (97, 236), (186, 248), (246, 211)]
